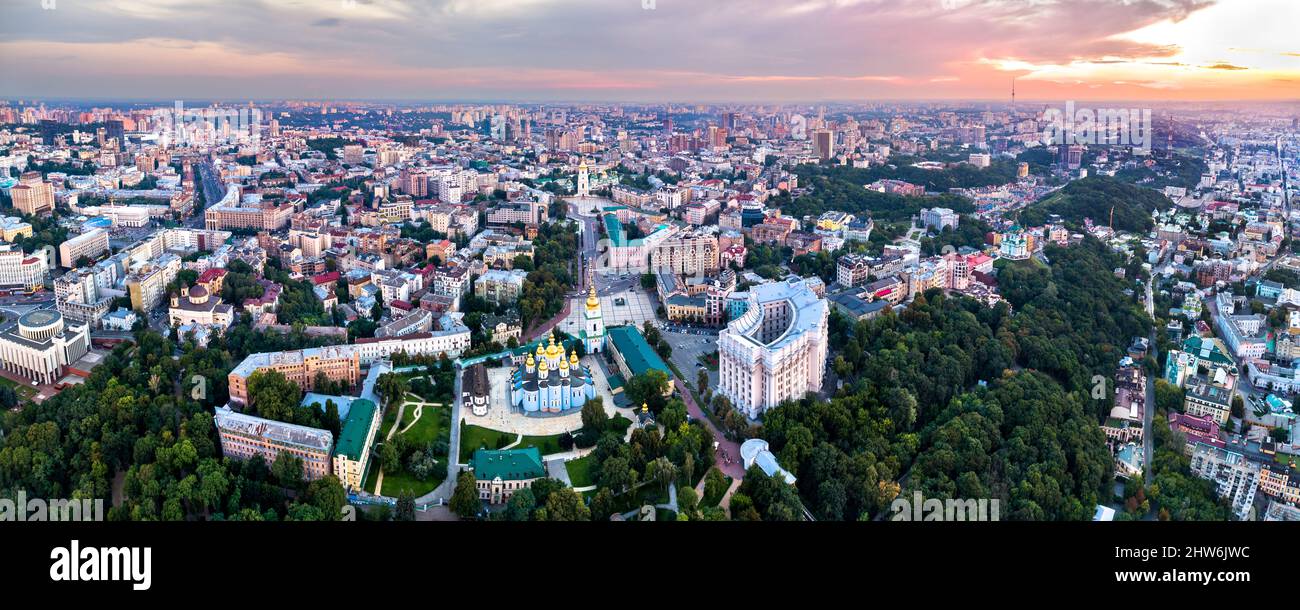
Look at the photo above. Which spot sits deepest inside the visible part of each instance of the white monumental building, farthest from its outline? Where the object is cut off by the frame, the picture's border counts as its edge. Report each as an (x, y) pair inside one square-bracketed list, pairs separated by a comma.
[(40, 347), (776, 349)]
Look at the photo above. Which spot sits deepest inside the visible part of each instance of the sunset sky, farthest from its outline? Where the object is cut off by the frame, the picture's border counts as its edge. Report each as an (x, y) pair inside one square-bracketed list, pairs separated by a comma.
[(681, 50)]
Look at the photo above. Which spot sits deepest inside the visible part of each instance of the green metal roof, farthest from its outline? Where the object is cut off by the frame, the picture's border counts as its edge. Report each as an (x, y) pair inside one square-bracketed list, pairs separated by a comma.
[(614, 231), (636, 352), (508, 464), (352, 437)]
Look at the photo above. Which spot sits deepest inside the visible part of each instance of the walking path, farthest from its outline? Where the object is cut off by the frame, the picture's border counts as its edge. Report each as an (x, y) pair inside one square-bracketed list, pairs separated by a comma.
[(672, 499), (442, 492), (391, 431), (549, 324), (726, 456), (726, 497), (415, 418)]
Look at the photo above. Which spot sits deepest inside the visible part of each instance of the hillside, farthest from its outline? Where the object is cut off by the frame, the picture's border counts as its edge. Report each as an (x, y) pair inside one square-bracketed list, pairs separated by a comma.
[(1093, 198)]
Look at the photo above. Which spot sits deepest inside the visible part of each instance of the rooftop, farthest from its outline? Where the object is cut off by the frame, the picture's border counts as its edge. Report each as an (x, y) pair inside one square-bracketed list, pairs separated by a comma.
[(636, 352), (274, 431), (356, 429), (508, 464)]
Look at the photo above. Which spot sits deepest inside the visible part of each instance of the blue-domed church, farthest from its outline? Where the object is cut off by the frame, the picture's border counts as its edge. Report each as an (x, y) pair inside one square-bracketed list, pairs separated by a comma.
[(547, 382)]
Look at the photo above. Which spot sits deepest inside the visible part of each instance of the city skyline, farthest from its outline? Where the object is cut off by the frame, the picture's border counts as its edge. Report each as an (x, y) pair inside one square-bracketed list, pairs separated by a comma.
[(624, 51)]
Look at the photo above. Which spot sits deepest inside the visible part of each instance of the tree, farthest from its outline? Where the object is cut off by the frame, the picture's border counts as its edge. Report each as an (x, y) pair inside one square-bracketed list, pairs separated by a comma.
[(688, 503), (702, 381), (648, 388), (616, 474), (715, 485), (662, 470), (287, 469), (405, 510), (520, 506), (390, 459), (602, 505), (392, 387), (328, 495), (464, 498), (594, 416), (566, 505), (272, 396)]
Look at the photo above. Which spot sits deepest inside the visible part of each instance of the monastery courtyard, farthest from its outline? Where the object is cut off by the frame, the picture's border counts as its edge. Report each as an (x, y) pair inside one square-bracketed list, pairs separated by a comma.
[(503, 418)]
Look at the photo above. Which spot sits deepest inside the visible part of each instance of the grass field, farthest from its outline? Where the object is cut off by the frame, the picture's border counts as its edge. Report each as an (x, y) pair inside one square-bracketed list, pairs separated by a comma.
[(474, 437), (434, 423), (395, 484), (580, 471), (25, 392)]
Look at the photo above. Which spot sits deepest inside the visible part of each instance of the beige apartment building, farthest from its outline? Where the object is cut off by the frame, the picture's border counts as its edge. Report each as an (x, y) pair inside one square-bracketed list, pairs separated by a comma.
[(337, 362), (688, 252), (89, 244), (245, 436), (33, 195)]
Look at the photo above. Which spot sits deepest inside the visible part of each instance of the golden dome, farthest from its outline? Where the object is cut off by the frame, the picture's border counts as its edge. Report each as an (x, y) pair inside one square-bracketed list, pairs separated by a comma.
[(541, 350), (592, 301), (531, 362), (644, 407), (541, 365), (564, 364), (573, 357), (554, 350)]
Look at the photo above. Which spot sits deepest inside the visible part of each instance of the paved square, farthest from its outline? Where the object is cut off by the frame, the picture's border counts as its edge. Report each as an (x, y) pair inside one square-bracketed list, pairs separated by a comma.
[(501, 417), (637, 307)]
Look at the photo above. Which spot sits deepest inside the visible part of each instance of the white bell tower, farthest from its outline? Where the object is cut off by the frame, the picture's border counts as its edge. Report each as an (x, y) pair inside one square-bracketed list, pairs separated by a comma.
[(584, 179)]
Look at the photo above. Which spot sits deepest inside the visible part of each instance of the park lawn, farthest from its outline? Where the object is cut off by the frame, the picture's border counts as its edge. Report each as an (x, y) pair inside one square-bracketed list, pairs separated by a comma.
[(25, 392), (390, 418), (652, 493), (372, 475), (396, 483), (580, 471), (474, 437), (545, 444), (432, 425)]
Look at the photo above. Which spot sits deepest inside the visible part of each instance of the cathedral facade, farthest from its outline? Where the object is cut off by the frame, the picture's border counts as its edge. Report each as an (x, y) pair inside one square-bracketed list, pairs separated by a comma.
[(547, 382)]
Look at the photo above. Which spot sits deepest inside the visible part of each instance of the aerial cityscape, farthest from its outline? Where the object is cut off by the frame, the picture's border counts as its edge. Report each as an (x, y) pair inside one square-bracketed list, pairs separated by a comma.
[(715, 261)]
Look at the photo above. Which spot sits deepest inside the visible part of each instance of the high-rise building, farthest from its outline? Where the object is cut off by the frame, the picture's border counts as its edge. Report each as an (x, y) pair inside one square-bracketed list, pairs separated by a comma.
[(824, 143), (337, 363), (33, 195), (77, 297), (21, 271), (776, 349), (687, 252)]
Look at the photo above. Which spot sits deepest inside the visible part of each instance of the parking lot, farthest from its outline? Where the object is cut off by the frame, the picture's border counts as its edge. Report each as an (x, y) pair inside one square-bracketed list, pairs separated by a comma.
[(687, 349)]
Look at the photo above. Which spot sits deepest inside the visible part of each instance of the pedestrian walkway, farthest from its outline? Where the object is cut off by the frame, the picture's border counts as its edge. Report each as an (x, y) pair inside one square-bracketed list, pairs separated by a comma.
[(726, 456)]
